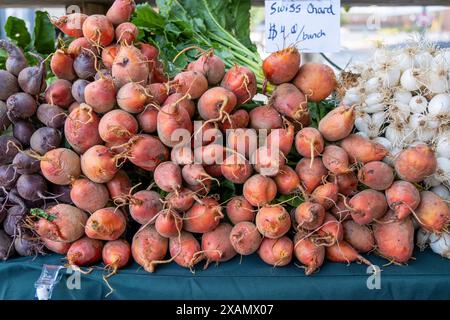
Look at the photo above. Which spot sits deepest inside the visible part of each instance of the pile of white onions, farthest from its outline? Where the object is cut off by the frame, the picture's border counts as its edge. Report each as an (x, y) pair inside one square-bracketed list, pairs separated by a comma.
[(403, 98)]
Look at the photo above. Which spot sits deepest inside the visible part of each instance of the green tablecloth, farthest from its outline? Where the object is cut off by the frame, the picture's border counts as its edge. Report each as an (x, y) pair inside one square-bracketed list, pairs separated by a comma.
[(428, 277)]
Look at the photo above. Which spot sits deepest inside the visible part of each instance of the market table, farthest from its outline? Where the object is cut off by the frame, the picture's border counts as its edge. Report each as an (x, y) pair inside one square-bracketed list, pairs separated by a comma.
[(427, 277)]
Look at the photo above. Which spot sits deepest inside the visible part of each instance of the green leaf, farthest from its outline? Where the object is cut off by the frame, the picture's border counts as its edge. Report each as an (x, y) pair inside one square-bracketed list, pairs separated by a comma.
[(318, 110), (291, 200), (227, 18), (38, 212), (43, 34), (227, 190), (17, 31), (3, 57), (146, 17)]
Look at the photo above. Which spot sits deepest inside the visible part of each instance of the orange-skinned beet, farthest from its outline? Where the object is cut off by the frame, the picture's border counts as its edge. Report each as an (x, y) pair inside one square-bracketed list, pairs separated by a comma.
[(211, 66), (77, 45), (282, 66), (236, 168), (376, 175), (402, 197), (144, 206), (81, 128), (98, 163), (276, 252), (106, 224), (273, 221), (117, 126), (126, 33), (317, 81), (361, 149), (71, 24), (245, 238), (88, 195), (116, 254), (309, 254), (190, 83), (242, 82), (172, 118), (121, 11), (149, 247), (101, 95), (311, 173), (309, 142), (169, 223), (132, 97), (84, 252), (109, 54), (60, 166), (287, 180), (338, 123), (335, 159), (433, 213), (185, 250), (289, 101), (62, 65), (59, 93), (216, 103), (130, 65), (203, 216), (147, 152), (119, 187), (98, 29), (367, 206), (265, 117), (416, 163), (239, 209), (66, 227), (217, 244), (309, 215), (358, 236), (395, 238), (284, 137)]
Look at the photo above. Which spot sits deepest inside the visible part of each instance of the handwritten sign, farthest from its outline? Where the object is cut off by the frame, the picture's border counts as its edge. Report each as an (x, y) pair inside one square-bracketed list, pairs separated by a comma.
[(312, 26)]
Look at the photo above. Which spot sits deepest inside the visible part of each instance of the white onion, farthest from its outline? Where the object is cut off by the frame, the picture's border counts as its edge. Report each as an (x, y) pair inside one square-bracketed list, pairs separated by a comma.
[(442, 191), (372, 85), (442, 173), (362, 123), (404, 60), (418, 104), (443, 146), (409, 81), (352, 96), (422, 238), (372, 108), (425, 135), (437, 83), (399, 112), (431, 181), (390, 77), (423, 60), (442, 58), (402, 96), (417, 120), (374, 98), (439, 105), (394, 134), (362, 134), (381, 56), (384, 142), (440, 244), (370, 125)]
